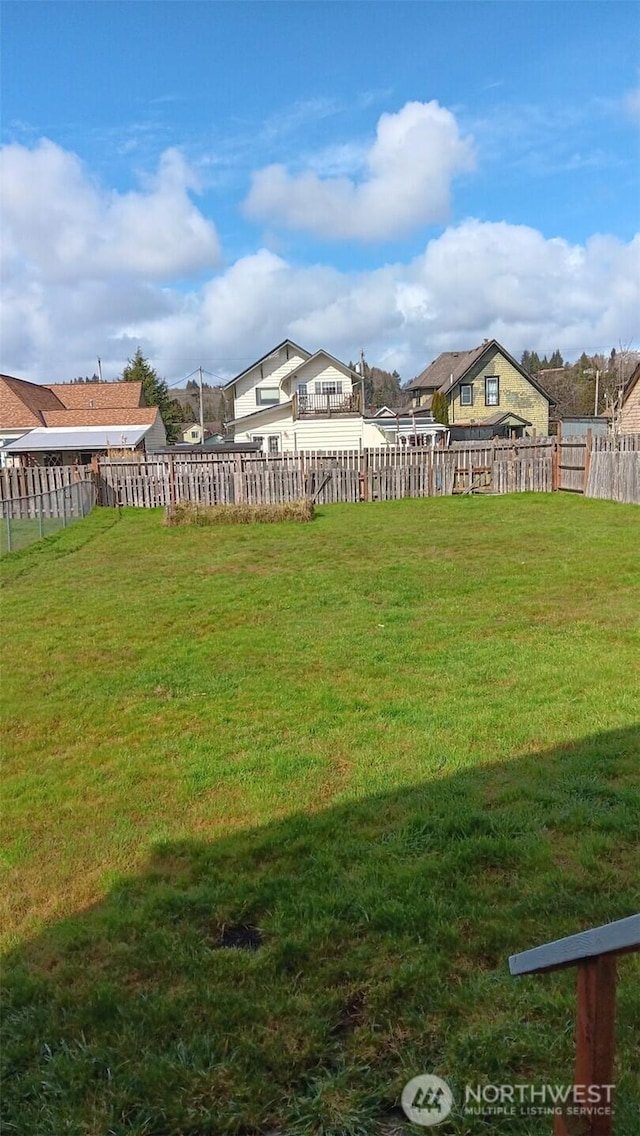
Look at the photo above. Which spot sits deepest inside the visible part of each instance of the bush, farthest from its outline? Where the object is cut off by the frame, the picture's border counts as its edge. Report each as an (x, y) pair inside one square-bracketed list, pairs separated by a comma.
[(238, 514)]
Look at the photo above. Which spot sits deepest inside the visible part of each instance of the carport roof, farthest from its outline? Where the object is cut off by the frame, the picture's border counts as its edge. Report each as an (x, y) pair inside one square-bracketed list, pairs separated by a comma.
[(78, 438)]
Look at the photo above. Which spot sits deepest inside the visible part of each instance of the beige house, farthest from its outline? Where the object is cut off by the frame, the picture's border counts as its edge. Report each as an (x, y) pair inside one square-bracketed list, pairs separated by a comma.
[(67, 423), (630, 411), (191, 435), (292, 400), (488, 392)]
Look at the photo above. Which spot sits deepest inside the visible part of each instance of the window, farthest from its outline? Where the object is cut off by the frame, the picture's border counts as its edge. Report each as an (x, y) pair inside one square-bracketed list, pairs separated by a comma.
[(258, 438), (466, 394), (274, 443), (492, 390), (267, 396), (329, 386)]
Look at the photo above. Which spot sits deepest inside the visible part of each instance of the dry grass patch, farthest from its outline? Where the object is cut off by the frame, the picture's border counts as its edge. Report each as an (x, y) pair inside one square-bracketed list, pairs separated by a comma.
[(238, 514)]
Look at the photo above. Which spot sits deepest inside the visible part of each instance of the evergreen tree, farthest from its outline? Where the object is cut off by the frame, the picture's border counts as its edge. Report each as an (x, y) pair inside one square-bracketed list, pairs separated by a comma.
[(155, 390), (556, 359), (440, 408)]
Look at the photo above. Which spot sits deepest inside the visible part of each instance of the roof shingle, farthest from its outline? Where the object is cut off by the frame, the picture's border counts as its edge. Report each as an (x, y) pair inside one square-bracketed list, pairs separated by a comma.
[(134, 416), (98, 396), (449, 364), (22, 403)]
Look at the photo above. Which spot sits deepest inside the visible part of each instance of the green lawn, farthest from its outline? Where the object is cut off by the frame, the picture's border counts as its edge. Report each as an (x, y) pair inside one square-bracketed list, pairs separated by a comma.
[(394, 745)]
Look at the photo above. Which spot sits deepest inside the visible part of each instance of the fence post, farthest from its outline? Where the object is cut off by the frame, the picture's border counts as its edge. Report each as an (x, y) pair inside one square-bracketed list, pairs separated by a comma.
[(40, 525), (555, 467), (172, 480), (587, 460), (5, 505), (64, 507)]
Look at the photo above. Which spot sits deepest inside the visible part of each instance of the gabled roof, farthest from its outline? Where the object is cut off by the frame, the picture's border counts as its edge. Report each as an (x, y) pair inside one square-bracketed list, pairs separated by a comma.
[(98, 396), (25, 404), (438, 374), (507, 417), (346, 370), (451, 367), (22, 403), (263, 359)]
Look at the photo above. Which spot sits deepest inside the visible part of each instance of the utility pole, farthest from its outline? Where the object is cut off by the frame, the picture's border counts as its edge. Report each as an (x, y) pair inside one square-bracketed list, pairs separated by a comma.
[(201, 409), (99, 369), (597, 390), (362, 377)]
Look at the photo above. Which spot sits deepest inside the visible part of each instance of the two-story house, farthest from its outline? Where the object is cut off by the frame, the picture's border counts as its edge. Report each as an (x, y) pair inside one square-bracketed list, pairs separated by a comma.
[(292, 400), (489, 393)]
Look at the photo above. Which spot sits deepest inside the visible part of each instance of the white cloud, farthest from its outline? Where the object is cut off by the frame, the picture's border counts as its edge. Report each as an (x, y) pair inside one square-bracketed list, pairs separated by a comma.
[(62, 225), (406, 184), (73, 289)]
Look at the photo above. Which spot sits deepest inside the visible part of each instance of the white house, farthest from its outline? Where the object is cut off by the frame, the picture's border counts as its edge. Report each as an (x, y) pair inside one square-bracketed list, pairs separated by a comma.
[(294, 400)]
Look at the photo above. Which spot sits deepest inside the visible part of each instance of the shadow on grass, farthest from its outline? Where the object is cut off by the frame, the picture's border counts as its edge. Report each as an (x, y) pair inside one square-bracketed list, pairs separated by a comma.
[(294, 977)]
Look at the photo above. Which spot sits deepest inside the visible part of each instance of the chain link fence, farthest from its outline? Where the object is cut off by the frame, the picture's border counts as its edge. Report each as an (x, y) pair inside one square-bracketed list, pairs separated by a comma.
[(27, 519)]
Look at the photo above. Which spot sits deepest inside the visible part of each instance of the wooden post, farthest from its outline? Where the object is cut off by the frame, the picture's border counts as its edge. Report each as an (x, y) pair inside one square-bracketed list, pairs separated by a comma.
[(595, 1046), (172, 480), (364, 476), (555, 467), (587, 460)]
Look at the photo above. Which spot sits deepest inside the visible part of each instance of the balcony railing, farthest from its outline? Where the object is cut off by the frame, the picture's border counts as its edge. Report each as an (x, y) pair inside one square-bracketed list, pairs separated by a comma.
[(326, 405)]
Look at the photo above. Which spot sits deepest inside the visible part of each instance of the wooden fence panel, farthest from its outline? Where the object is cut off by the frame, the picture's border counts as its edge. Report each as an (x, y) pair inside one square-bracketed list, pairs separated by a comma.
[(572, 460), (31, 481), (615, 476)]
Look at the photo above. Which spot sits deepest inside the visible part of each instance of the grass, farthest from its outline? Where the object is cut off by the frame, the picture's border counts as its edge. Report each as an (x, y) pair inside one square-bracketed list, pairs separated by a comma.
[(280, 800)]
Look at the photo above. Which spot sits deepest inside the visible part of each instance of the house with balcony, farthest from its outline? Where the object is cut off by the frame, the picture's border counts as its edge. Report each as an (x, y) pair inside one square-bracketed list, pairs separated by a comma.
[(292, 399), (489, 394)]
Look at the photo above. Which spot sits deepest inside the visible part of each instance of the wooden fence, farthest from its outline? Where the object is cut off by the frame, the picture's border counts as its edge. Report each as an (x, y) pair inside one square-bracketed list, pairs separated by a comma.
[(598, 467), (327, 478), (32, 481)]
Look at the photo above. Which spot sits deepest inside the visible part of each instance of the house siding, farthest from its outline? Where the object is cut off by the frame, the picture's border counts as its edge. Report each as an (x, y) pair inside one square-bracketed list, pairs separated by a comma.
[(155, 437), (630, 417), (314, 433), (516, 395), (273, 372), (319, 370)]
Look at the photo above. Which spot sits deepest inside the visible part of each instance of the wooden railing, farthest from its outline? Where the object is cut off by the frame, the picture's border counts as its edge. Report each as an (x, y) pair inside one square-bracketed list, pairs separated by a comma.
[(593, 953), (326, 405)]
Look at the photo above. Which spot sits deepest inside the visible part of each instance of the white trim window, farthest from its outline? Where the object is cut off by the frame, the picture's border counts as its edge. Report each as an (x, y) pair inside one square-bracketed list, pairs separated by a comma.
[(492, 390), (267, 396), (329, 386), (466, 394), (274, 444)]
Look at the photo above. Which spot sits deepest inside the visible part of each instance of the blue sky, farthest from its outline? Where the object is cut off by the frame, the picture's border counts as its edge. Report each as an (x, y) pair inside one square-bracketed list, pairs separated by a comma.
[(509, 145)]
